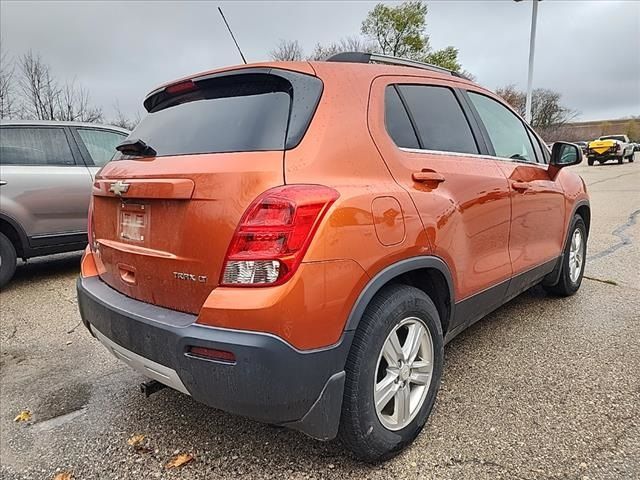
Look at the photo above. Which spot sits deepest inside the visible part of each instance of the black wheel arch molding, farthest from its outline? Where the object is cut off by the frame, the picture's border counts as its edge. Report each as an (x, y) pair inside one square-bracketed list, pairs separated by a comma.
[(578, 205), (393, 271)]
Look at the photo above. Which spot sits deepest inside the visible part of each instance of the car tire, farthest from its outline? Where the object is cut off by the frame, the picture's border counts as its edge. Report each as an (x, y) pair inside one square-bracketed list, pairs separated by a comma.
[(570, 273), (366, 428), (620, 159), (8, 260), (590, 162)]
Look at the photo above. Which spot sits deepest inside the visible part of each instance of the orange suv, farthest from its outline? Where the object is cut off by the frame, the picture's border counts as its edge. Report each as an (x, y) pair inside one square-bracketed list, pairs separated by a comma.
[(295, 242)]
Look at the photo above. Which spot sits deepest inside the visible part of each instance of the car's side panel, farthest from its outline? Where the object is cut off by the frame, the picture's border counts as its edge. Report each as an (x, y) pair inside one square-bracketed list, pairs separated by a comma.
[(47, 199), (466, 218), (575, 196), (538, 215), (537, 201)]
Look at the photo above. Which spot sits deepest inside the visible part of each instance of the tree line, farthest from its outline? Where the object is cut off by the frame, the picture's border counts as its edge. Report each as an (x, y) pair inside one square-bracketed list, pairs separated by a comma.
[(29, 90), (399, 31)]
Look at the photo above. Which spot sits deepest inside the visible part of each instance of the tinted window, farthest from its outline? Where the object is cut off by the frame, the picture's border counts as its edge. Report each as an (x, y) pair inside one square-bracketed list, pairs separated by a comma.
[(536, 147), (230, 115), (506, 131), (100, 144), (34, 146), (439, 119), (397, 120)]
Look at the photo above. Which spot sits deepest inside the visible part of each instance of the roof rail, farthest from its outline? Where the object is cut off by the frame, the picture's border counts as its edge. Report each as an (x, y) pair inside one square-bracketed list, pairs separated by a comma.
[(362, 57)]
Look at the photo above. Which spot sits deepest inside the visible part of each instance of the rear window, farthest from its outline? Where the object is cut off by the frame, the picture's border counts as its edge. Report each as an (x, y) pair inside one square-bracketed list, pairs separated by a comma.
[(233, 113)]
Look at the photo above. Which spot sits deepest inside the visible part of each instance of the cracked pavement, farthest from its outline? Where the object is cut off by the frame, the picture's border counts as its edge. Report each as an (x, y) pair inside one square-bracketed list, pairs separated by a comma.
[(541, 388)]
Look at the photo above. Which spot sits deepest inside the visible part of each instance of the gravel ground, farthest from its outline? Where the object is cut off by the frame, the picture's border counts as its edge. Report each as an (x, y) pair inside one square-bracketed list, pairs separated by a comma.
[(541, 388)]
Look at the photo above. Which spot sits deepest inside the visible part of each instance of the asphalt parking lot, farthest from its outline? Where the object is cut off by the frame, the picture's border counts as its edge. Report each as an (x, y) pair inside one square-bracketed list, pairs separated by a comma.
[(541, 388)]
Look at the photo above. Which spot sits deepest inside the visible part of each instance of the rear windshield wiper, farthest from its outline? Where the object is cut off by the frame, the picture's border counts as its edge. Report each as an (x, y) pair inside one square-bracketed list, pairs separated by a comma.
[(137, 147)]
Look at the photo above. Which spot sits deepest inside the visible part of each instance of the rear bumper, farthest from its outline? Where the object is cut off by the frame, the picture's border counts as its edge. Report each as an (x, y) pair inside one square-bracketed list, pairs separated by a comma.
[(270, 381), (605, 155)]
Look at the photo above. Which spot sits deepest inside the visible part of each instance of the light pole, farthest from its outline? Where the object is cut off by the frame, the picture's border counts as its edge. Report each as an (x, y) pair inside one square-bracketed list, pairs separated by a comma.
[(532, 47)]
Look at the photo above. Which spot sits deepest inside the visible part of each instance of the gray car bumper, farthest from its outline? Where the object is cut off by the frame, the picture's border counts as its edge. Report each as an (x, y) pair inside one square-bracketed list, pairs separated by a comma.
[(270, 381)]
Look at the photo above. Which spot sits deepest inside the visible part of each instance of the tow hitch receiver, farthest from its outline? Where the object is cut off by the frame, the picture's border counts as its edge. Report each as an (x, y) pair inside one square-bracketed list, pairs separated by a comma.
[(150, 387)]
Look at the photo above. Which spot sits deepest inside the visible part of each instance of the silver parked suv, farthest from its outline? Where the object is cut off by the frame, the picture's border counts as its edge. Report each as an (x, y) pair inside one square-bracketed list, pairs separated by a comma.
[(46, 174)]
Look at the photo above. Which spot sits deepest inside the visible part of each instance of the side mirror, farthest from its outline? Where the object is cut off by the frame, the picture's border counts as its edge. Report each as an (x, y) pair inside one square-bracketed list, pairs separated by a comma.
[(564, 154)]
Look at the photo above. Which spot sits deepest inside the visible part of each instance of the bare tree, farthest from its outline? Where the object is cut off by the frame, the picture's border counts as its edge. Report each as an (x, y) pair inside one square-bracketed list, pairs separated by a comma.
[(547, 111), (287, 50), (7, 100), (44, 98), (347, 44), (73, 105), (122, 121), (38, 89)]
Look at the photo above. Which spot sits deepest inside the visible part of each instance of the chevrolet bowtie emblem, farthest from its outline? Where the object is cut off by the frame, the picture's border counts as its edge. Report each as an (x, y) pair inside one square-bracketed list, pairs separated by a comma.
[(119, 187)]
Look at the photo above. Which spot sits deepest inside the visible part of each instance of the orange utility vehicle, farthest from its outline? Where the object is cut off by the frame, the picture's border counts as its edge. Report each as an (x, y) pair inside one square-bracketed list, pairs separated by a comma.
[(295, 242)]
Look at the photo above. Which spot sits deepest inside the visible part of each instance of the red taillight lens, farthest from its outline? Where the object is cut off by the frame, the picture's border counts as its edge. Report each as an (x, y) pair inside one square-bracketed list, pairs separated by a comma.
[(181, 87), (274, 234)]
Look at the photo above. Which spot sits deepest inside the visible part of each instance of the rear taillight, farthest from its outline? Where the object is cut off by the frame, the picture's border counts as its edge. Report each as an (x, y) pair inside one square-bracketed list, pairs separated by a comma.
[(274, 234)]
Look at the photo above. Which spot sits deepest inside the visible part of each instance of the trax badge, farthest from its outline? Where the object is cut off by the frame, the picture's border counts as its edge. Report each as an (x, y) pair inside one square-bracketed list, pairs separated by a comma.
[(119, 187), (190, 276)]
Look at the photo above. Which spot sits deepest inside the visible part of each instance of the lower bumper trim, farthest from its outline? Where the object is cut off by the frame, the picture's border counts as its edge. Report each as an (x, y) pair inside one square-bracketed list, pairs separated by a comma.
[(146, 367)]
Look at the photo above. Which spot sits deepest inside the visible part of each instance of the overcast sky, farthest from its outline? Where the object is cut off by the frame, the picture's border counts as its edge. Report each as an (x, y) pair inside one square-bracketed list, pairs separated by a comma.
[(587, 50)]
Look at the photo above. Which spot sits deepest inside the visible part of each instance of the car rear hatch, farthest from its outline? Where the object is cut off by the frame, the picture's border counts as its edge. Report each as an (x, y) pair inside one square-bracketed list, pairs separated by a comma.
[(166, 208)]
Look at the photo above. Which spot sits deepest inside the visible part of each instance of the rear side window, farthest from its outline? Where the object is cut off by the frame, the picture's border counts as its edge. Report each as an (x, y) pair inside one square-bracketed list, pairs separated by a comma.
[(506, 131), (34, 146), (397, 120), (100, 144), (230, 113), (438, 118)]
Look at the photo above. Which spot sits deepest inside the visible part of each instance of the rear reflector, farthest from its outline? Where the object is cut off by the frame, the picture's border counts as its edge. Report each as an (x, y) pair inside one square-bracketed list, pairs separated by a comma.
[(212, 354), (274, 234)]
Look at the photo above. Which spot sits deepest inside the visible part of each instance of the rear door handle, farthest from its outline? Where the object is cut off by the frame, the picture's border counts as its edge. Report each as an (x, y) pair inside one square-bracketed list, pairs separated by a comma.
[(521, 186), (2, 182), (426, 176)]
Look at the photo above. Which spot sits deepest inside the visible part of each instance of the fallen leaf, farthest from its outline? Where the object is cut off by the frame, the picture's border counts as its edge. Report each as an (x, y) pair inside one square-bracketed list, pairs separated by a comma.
[(179, 460), (136, 440), (136, 443), (23, 416), (63, 476)]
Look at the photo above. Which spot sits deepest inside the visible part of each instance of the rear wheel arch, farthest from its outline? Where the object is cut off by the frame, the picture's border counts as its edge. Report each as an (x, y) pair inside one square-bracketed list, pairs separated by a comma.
[(15, 234), (427, 273)]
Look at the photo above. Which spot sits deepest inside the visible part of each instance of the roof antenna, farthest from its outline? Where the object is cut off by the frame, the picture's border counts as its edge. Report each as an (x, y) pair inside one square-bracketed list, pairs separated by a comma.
[(232, 36)]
